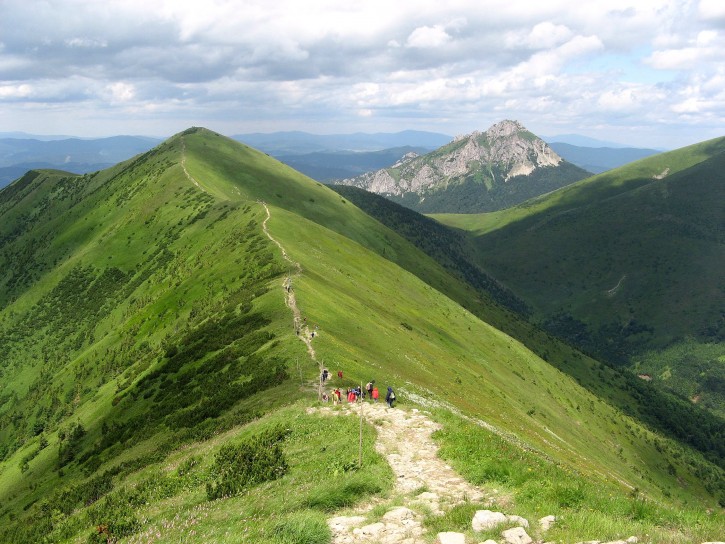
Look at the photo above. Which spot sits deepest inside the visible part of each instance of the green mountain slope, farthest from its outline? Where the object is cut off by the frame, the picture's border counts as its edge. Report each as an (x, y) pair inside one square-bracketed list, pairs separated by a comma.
[(627, 265), (147, 341)]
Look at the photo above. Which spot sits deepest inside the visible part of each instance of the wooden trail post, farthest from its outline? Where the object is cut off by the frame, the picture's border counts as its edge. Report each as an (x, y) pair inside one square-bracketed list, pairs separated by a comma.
[(362, 403)]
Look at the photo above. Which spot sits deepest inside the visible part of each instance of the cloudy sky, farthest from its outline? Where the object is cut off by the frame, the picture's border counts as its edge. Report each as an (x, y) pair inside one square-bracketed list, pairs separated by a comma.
[(640, 72)]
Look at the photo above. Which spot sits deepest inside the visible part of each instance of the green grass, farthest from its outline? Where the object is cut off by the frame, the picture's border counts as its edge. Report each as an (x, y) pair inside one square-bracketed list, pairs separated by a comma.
[(621, 264), (156, 343), (586, 506)]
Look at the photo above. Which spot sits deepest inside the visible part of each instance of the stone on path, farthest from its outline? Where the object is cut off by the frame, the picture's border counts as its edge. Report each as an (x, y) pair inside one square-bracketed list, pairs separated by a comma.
[(484, 520), (517, 535), (399, 514), (451, 538)]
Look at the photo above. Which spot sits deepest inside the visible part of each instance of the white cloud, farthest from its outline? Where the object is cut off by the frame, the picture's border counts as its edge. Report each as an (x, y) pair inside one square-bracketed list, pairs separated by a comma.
[(453, 66), (121, 91), (15, 91), (712, 10), (428, 37)]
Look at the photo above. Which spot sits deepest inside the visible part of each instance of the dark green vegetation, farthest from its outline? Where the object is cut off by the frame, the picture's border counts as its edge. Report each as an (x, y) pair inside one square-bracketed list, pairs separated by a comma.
[(626, 265), (148, 350), (485, 189)]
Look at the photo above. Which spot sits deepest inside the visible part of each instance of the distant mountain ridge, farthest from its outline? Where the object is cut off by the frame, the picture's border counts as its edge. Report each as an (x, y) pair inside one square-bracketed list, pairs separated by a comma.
[(600, 159), (481, 171), (299, 143), (18, 155)]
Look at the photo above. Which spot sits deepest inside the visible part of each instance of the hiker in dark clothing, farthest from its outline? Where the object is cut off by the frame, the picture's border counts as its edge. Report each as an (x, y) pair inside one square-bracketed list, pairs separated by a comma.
[(369, 389), (390, 397)]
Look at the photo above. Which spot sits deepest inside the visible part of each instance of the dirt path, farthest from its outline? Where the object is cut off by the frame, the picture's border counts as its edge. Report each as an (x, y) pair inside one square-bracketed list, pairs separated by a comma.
[(302, 330), (183, 166), (423, 481)]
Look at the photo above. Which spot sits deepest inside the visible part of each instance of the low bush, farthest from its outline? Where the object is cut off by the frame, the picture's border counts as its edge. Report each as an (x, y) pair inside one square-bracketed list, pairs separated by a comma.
[(237, 466)]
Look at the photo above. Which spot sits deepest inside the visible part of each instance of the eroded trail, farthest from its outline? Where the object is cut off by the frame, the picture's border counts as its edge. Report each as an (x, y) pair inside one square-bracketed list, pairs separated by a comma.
[(302, 330), (183, 166), (423, 480)]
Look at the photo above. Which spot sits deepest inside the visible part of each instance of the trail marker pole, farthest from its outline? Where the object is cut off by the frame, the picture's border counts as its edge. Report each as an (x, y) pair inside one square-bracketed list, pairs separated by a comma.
[(359, 463)]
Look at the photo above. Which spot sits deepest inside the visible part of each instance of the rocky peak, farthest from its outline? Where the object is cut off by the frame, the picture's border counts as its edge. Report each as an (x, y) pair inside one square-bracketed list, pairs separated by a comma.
[(505, 129), (491, 158)]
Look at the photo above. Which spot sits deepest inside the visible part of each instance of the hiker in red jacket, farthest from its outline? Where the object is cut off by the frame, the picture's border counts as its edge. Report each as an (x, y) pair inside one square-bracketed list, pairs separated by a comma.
[(375, 394)]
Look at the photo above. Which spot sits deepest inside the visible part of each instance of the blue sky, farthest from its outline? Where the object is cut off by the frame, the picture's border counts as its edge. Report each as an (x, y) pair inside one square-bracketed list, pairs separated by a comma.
[(644, 73)]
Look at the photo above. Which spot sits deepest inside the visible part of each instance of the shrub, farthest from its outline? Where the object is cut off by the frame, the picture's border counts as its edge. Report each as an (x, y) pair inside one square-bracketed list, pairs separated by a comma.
[(254, 461)]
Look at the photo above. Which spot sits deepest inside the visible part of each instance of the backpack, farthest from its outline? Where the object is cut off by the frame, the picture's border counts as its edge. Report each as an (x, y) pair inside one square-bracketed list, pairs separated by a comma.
[(392, 395)]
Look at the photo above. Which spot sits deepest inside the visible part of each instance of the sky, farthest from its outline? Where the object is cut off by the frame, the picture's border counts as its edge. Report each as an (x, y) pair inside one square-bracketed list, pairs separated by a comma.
[(638, 72)]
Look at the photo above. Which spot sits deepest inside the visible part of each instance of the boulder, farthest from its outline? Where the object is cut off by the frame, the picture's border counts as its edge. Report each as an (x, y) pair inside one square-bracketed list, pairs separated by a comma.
[(451, 538), (484, 520), (517, 535)]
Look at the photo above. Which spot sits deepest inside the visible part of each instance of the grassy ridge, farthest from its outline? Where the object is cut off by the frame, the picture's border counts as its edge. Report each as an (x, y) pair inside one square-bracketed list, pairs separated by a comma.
[(181, 343), (624, 264)]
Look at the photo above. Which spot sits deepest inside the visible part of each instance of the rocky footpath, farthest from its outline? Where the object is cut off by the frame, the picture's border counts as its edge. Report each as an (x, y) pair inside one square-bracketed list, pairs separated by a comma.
[(424, 484)]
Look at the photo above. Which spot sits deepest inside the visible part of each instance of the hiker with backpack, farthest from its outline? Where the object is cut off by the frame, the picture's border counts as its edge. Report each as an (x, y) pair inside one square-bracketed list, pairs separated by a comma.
[(369, 388), (375, 394), (390, 397)]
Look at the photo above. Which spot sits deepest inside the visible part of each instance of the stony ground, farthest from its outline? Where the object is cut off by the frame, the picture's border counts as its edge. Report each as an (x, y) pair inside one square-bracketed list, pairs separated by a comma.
[(423, 481)]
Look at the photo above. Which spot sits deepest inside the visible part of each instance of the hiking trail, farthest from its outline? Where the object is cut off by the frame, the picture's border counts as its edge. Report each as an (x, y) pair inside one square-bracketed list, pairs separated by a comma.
[(183, 166), (301, 328)]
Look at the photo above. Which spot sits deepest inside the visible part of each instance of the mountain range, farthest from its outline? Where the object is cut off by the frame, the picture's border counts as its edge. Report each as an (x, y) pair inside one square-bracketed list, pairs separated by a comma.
[(164, 323), (322, 157)]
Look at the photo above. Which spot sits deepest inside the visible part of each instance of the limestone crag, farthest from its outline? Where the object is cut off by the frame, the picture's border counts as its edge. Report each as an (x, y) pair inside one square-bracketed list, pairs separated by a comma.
[(504, 151)]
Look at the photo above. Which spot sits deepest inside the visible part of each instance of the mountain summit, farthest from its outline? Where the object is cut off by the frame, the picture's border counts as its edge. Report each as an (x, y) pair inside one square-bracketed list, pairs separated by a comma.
[(481, 171)]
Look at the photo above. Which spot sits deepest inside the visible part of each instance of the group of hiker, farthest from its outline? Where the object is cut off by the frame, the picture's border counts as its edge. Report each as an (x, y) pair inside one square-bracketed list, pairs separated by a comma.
[(356, 394)]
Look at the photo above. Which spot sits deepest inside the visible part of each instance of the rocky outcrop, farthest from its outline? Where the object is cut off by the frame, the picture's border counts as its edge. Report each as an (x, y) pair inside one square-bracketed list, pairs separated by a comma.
[(502, 152)]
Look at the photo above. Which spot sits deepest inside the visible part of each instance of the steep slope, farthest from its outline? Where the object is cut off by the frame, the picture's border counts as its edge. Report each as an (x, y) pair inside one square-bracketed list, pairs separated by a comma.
[(627, 265), (147, 334), (486, 171)]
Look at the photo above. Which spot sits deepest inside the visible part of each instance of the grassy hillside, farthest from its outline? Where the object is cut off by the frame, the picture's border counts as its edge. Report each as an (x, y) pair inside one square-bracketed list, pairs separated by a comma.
[(147, 343), (626, 265)]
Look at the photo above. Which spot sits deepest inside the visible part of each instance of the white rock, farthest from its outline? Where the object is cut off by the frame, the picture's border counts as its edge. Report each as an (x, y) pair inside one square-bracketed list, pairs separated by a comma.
[(632, 540), (399, 514), (451, 538), (523, 522), (373, 529), (427, 496), (546, 522), (484, 520), (517, 535)]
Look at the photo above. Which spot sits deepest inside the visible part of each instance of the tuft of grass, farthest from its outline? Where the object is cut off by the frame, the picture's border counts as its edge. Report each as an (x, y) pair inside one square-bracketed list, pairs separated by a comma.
[(335, 496), (303, 527)]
